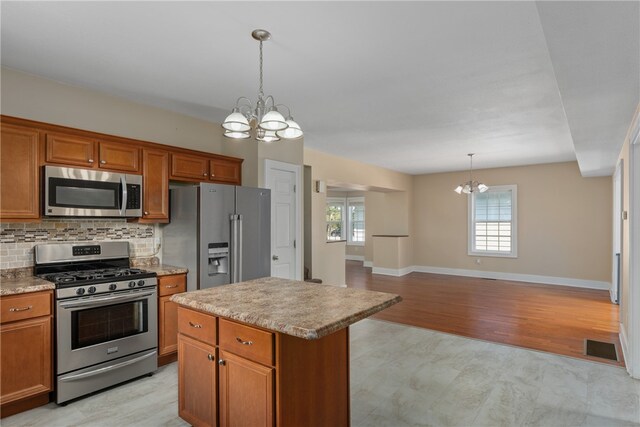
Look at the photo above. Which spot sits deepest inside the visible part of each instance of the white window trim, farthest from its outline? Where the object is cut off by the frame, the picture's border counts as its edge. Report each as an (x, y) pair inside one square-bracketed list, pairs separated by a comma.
[(514, 224), (343, 201), (348, 220)]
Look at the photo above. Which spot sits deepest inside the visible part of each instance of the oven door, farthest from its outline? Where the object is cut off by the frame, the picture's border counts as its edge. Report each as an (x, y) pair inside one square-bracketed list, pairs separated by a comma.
[(92, 330)]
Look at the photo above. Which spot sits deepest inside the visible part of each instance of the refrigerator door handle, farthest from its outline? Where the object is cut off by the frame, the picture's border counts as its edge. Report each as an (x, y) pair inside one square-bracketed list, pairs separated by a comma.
[(234, 232), (239, 248)]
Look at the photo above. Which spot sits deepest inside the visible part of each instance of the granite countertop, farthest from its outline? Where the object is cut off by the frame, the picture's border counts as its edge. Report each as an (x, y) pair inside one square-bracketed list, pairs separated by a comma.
[(23, 285), (164, 269), (304, 310)]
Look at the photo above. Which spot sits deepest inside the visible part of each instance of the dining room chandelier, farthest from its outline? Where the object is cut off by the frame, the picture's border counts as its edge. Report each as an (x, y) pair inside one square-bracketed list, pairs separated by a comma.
[(471, 186), (270, 125)]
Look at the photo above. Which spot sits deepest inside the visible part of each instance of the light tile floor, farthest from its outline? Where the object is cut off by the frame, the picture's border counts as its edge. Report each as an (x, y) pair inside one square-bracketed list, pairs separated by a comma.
[(402, 376)]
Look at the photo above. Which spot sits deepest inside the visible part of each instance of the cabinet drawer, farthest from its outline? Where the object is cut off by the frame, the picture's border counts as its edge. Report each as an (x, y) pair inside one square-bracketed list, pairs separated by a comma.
[(197, 325), (248, 342), (169, 285), (24, 306)]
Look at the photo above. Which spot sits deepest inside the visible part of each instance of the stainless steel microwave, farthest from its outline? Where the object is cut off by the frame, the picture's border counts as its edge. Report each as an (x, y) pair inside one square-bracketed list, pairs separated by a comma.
[(91, 193)]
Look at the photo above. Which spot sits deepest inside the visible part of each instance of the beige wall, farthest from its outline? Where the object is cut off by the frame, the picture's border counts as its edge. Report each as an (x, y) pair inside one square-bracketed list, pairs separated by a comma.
[(564, 222), (44, 100), (625, 156), (337, 170)]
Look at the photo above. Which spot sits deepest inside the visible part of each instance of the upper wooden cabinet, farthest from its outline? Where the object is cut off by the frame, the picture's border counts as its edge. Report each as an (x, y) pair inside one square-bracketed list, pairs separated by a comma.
[(118, 156), (155, 184), (225, 171), (70, 150), (184, 166), (19, 177)]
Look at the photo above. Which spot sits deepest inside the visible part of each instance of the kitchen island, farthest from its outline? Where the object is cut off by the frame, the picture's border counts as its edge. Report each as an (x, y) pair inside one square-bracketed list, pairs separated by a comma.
[(269, 352)]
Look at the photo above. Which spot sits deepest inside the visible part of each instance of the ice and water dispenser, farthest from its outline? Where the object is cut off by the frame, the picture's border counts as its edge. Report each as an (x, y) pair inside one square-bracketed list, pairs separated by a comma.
[(218, 258)]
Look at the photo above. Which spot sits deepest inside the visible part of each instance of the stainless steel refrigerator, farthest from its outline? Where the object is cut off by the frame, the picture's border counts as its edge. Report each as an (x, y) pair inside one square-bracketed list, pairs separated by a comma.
[(221, 233)]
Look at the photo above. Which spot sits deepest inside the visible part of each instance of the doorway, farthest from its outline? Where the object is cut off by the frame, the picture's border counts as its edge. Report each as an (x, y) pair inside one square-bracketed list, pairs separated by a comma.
[(617, 233)]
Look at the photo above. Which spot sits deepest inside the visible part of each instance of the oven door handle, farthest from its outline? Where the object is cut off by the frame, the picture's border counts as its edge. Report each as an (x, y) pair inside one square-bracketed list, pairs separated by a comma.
[(99, 301), (106, 368)]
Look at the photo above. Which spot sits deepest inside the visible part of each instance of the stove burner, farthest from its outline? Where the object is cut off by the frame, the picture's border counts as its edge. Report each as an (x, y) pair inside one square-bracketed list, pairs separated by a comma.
[(89, 276)]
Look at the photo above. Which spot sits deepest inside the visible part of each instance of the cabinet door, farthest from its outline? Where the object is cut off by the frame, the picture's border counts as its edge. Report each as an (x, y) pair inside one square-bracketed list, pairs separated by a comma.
[(246, 392), (189, 167), (19, 183), (168, 326), (155, 182), (25, 366), (70, 150), (120, 157), (196, 382), (225, 171)]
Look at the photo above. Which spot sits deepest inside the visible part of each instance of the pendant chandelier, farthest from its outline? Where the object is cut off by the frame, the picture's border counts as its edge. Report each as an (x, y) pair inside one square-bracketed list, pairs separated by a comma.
[(270, 124), (471, 186)]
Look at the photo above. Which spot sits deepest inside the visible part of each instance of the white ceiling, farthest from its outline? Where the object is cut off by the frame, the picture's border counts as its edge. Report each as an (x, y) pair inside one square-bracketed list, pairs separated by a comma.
[(411, 86)]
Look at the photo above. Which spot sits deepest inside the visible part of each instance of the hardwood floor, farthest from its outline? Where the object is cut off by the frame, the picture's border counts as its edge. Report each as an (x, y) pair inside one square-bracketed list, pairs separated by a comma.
[(551, 318)]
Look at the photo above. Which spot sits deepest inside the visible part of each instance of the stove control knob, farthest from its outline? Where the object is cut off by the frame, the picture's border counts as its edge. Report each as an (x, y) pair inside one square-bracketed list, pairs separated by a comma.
[(113, 287), (132, 284), (80, 291), (92, 289), (140, 282)]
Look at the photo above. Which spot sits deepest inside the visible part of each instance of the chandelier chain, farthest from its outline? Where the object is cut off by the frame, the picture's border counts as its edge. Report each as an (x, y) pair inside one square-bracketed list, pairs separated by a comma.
[(261, 93)]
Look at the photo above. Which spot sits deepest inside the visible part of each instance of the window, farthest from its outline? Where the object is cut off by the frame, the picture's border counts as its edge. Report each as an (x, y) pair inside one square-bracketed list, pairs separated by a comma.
[(492, 222), (345, 219), (335, 218), (355, 207)]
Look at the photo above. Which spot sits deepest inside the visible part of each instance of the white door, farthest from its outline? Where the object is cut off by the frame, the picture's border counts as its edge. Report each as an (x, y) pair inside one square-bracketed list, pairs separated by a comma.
[(283, 223)]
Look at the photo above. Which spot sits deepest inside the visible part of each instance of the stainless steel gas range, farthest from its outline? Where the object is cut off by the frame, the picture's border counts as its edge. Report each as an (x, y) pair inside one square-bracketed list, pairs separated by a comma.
[(106, 316)]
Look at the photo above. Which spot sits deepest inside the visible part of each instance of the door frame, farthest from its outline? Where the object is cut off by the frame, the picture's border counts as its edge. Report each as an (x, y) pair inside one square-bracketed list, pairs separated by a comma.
[(618, 206), (633, 365), (269, 167)]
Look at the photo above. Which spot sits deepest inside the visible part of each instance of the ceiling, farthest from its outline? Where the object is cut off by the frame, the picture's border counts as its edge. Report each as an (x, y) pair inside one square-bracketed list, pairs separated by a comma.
[(410, 86)]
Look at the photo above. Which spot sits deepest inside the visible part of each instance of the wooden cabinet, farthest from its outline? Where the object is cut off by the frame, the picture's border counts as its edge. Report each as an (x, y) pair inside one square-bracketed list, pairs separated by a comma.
[(119, 157), (168, 316), (155, 183), (19, 177), (70, 150), (184, 166), (26, 369), (265, 378), (246, 392), (225, 171), (197, 389)]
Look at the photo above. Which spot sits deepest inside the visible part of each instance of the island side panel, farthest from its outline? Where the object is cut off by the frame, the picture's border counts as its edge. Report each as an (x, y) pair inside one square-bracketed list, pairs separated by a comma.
[(312, 385)]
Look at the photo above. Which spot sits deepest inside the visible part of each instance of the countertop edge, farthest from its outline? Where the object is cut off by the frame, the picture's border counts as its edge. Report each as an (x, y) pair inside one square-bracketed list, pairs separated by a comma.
[(27, 289), (296, 331)]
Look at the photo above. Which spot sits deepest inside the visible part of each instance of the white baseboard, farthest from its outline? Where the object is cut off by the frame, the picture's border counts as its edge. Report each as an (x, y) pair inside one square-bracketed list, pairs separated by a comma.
[(624, 343), (516, 277), (354, 257), (397, 272), (368, 264)]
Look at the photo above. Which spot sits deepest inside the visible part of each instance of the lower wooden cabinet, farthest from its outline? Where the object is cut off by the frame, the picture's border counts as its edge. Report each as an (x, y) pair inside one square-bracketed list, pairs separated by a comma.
[(197, 373), (168, 316), (246, 392), (26, 368)]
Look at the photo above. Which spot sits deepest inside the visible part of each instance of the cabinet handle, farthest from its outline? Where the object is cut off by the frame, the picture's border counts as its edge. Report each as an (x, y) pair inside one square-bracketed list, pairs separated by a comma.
[(90, 160), (195, 325), (210, 357), (221, 362), (170, 286), (14, 309), (146, 212), (103, 162), (204, 174), (241, 341)]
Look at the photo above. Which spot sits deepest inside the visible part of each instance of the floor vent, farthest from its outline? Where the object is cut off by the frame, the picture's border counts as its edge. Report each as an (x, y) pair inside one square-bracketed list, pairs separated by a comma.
[(604, 350)]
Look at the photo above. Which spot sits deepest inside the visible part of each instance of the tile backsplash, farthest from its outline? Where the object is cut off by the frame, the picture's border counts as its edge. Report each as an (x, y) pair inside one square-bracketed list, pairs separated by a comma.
[(18, 239)]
